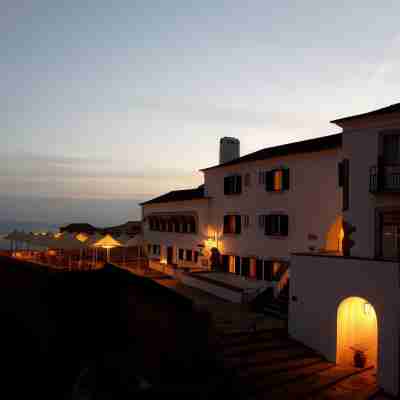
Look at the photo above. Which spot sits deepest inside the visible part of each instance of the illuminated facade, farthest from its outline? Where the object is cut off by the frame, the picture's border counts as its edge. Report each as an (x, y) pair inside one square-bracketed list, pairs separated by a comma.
[(356, 295)]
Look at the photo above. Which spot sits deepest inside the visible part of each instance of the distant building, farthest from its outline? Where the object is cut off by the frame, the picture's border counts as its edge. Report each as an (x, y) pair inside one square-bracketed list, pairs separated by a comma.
[(79, 228)]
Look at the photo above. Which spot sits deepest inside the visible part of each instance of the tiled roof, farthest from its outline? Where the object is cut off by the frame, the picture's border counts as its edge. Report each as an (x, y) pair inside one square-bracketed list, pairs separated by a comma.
[(381, 111), (305, 146), (178, 195)]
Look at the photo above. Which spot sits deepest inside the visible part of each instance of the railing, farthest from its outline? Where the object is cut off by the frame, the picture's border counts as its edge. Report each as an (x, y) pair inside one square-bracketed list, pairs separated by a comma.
[(384, 178)]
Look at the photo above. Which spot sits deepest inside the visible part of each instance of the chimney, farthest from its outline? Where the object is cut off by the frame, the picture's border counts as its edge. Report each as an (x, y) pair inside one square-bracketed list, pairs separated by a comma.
[(229, 149)]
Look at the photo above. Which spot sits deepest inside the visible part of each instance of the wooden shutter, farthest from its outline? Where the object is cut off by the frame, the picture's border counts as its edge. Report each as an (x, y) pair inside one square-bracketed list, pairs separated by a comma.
[(259, 269), (269, 181), (226, 185), (237, 265), (285, 179), (225, 263), (226, 224), (284, 225), (246, 266), (238, 224), (238, 184), (346, 185), (267, 223), (391, 149), (268, 272)]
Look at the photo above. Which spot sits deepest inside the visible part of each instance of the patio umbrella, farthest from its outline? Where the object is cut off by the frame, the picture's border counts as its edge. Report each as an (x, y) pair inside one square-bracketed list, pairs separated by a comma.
[(69, 243), (107, 242), (90, 244)]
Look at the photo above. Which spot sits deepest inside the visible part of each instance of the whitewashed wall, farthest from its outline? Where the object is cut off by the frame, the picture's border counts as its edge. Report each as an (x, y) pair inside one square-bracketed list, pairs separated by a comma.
[(179, 240), (320, 283), (360, 146), (312, 203)]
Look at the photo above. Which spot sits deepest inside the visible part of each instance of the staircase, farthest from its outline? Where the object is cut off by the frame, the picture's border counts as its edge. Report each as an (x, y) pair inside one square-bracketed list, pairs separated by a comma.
[(278, 306), (269, 365)]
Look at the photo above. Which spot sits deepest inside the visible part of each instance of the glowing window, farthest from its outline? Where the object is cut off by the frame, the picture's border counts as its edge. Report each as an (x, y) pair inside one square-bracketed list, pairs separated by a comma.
[(278, 178)]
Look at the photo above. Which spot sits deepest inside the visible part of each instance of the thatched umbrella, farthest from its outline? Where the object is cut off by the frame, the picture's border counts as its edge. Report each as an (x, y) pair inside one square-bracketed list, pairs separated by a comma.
[(108, 243)]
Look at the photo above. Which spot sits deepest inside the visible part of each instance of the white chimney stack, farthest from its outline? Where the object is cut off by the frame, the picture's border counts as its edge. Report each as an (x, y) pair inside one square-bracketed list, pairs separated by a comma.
[(229, 149)]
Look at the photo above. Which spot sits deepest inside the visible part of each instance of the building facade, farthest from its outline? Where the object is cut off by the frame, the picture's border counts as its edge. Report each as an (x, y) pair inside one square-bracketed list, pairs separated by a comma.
[(354, 298)]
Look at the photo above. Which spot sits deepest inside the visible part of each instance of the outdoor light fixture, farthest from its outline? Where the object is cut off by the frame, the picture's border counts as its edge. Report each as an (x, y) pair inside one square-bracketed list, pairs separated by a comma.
[(367, 308)]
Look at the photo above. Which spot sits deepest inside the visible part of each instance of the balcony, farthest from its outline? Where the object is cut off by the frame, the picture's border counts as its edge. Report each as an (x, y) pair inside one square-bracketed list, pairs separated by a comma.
[(384, 178)]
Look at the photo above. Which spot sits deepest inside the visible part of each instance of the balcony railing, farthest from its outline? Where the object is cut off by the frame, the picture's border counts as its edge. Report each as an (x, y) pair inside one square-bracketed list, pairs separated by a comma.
[(384, 178)]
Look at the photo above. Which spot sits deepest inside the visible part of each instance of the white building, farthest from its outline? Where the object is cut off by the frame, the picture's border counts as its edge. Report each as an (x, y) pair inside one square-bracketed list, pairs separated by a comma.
[(328, 207), (340, 304), (255, 209)]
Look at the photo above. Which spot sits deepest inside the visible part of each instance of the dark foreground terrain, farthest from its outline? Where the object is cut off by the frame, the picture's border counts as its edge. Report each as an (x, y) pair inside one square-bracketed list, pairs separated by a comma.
[(102, 333)]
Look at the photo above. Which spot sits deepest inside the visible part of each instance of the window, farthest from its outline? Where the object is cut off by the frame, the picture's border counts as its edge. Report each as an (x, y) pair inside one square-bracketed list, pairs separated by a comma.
[(391, 149), (389, 234), (232, 224), (196, 256), (233, 184), (170, 226), (156, 249), (277, 180), (246, 221), (276, 225), (149, 248), (188, 255), (180, 254), (247, 180)]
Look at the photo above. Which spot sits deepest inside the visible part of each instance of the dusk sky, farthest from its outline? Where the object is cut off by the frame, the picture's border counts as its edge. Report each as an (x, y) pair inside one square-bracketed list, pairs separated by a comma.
[(119, 100)]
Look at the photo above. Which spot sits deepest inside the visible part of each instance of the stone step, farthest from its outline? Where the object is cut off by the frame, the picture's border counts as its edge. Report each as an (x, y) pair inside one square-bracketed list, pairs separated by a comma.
[(357, 387), (270, 356), (253, 338), (275, 313), (260, 371), (310, 386), (250, 348), (269, 383)]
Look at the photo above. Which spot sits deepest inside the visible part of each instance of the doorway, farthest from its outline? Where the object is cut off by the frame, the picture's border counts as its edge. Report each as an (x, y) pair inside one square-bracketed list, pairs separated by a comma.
[(357, 330)]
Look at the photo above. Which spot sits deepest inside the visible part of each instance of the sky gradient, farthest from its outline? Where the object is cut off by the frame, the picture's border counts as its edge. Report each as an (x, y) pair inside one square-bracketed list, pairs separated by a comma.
[(127, 99)]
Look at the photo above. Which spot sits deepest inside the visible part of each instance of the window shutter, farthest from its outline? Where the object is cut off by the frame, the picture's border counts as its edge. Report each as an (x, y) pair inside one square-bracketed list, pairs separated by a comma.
[(237, 265), (285, 179), (238, 186), (269, 181), (268, 275), (226, 184), (261, 221), (345, 191), (268, 228), (259, 269), (238, 224), (226, 223), (284, 222)]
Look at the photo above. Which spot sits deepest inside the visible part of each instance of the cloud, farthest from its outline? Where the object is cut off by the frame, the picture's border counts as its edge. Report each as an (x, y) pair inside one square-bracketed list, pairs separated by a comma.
[(77, 177), (386, 71)]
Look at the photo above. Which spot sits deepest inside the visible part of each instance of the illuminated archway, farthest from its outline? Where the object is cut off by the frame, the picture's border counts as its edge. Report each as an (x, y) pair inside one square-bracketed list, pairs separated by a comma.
[(335, 235), (357, 329)]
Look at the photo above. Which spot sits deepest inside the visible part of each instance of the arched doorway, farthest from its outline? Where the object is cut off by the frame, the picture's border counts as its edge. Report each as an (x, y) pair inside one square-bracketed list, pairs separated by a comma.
[(357, 329)]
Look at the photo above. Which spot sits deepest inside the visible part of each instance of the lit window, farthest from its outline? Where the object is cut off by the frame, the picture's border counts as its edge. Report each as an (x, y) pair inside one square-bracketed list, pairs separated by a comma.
[(278, 176)]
